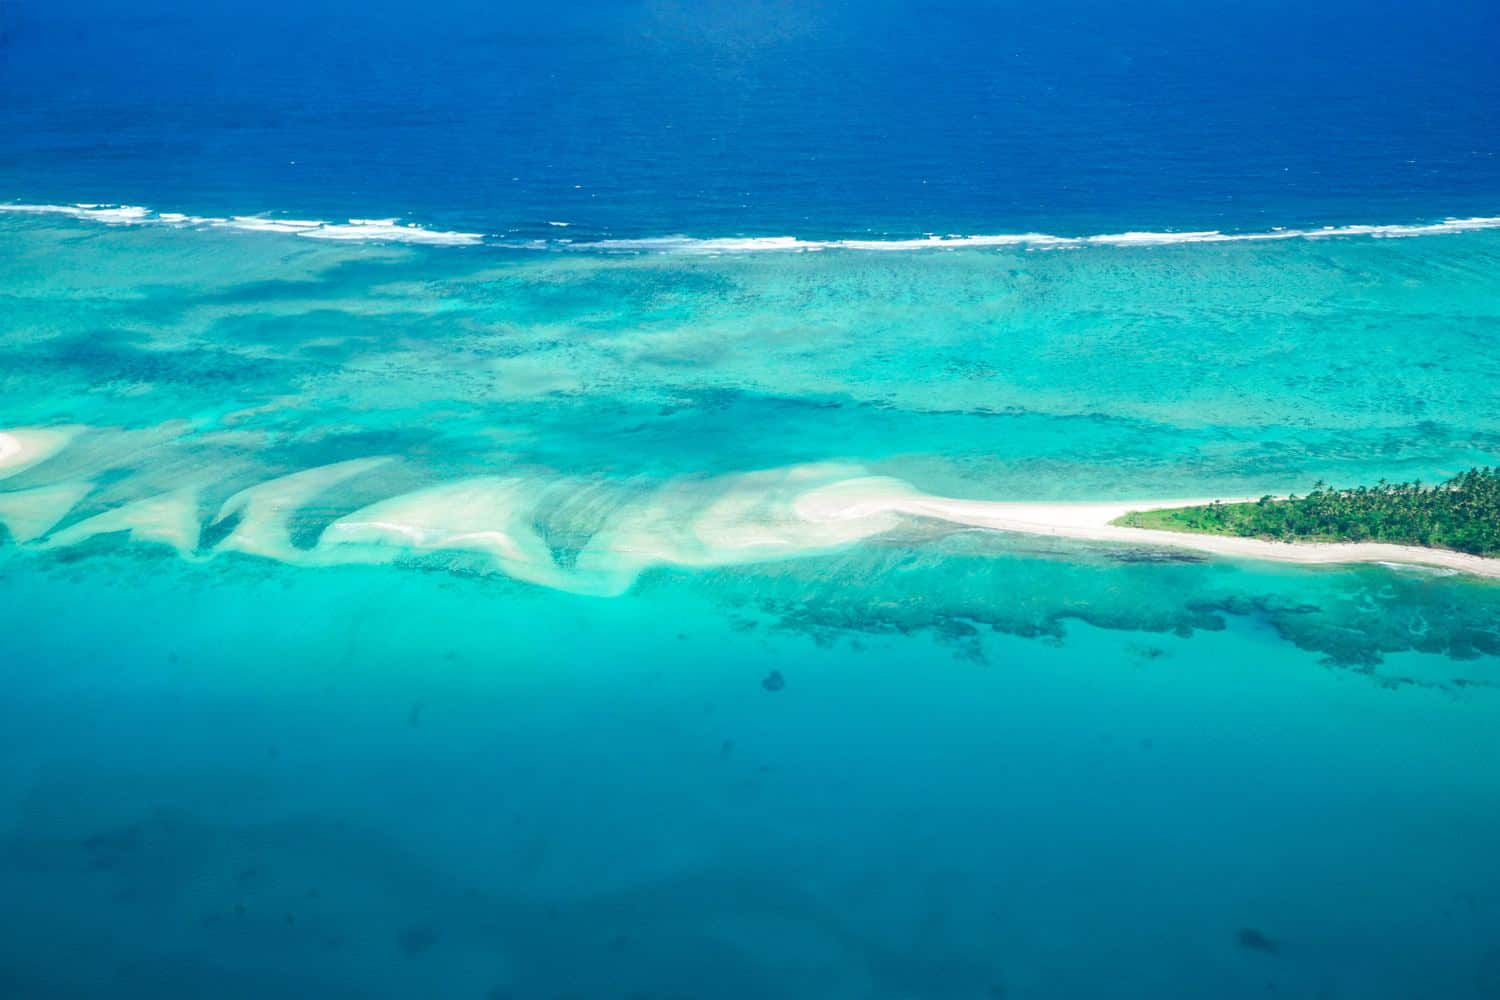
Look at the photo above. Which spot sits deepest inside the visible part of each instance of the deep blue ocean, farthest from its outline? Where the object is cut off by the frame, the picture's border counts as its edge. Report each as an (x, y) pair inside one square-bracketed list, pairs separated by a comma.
[(767, 118), (473, 483)]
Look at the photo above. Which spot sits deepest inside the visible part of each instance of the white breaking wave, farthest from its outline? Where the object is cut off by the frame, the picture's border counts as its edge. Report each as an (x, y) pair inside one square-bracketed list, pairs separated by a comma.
[(114, 215), (1044, 241), (388, 230), (355, 230), (395, 231)]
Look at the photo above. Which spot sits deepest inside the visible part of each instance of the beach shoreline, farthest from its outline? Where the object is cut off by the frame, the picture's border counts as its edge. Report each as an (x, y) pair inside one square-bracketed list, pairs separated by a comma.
[(1094, 522)]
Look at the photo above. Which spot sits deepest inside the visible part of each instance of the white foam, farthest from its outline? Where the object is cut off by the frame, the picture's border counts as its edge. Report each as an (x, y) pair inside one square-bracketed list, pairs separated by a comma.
[(1041, 241), (113, 215), (689, 244), (394, 231), (355, 230), (260, 224), (389, 230)]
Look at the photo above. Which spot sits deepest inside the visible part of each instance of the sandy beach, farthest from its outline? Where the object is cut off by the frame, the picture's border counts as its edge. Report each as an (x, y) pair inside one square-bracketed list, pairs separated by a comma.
[(863, 498), (1092, 522)]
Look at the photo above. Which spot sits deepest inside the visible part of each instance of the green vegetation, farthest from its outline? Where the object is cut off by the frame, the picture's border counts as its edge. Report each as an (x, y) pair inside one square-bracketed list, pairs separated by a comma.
[(1461, 514)]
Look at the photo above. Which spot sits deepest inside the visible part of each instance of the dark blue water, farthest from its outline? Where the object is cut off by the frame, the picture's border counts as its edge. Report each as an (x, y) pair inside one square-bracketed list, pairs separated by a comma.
[(720, 118)]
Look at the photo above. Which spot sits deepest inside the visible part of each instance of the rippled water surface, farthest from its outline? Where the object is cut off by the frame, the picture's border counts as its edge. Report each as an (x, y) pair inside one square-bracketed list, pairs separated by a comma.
[(384, 620), (403, 594)]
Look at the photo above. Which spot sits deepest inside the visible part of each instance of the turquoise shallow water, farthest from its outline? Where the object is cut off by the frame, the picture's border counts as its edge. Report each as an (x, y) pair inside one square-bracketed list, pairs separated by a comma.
[(601, 717)]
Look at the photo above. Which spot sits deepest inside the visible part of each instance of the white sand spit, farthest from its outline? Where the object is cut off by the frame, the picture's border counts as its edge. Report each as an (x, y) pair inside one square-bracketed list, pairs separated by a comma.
[(1092, 522)]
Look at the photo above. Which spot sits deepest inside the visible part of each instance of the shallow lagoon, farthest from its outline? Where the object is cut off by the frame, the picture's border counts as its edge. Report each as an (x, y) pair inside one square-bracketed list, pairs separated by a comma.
[(994, 766)]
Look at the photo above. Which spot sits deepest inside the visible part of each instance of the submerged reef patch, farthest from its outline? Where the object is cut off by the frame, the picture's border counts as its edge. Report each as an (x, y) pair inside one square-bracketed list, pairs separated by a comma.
[(957, 589)]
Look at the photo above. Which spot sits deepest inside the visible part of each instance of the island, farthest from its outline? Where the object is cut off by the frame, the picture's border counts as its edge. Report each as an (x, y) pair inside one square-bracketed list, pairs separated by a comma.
[(1461, 514)]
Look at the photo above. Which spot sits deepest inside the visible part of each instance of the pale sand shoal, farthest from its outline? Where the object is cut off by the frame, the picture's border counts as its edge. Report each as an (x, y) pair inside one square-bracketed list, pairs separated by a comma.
[(22, 447), (777, 513)]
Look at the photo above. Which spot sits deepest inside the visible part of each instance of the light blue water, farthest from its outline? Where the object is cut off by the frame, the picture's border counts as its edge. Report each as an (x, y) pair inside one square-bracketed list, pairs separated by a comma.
[(252, 751), (445, 611), (389, 784)]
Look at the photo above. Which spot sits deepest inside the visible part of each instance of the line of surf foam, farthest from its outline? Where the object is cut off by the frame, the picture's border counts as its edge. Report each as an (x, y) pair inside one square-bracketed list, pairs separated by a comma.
[(353, 231), (395, 231), (1037, 241)]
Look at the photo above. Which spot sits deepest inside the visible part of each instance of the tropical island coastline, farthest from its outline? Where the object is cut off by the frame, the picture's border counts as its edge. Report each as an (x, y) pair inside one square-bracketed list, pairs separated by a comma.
[(1453, 525)]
